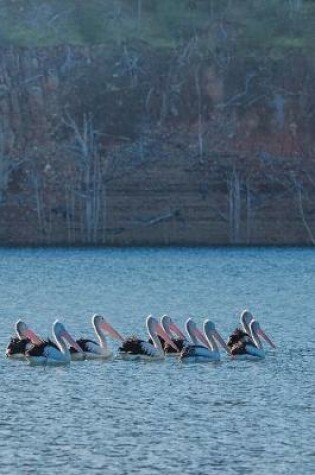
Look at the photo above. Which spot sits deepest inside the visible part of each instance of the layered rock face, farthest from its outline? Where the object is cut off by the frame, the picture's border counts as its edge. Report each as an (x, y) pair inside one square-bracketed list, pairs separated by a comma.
[(131, 145)]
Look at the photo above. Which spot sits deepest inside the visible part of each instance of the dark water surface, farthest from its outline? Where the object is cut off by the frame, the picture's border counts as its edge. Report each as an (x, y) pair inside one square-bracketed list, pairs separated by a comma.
[(117, 417)]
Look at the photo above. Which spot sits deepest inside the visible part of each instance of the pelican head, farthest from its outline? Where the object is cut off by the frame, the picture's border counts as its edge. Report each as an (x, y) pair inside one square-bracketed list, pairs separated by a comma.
[(246, 317), (60, 332), (20, 328), (99, 322), (155, 328), (256, 330), (23, 331), (194, 333), (210, 330), (209, 326), (169, 326)]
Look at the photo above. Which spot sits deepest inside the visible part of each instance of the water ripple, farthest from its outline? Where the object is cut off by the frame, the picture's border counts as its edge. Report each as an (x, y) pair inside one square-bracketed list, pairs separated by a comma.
[(118, 417)]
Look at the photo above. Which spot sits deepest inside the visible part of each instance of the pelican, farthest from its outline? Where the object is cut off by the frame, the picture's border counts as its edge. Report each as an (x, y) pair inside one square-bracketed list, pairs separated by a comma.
[(254, 346), (133, 348), (209, 351), (48, 353), (243, 333), (24, 340), (93, 350), (171, 329)]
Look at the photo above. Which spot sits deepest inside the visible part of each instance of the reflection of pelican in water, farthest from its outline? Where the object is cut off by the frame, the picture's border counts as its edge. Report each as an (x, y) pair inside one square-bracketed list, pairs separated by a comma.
[(209, 351), (92, 349), (48, 353), (253, 347), (24, 340), (135, 348)]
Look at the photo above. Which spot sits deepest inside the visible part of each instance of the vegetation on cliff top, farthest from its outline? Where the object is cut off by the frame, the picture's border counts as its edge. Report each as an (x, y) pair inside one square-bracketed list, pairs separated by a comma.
[(253, 25)]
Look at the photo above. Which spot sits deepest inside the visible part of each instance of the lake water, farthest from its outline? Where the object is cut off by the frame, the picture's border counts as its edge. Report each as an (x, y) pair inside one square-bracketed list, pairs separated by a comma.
[(123, 417)]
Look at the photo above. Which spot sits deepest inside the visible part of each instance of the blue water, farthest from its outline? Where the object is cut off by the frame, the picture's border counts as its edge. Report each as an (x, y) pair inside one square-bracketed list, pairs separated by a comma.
[(119, 417)]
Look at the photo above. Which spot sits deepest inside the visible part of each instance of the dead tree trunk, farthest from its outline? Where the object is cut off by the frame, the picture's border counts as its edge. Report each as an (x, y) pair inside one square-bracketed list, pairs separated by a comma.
[(200, 121), (299, 200), (234, 207), (248, 213), (139, 14), (91, 188), (39, 204), (4, 166)]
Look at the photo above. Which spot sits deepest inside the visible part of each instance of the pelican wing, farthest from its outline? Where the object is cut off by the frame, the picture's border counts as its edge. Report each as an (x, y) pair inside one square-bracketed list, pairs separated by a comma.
[(252, 350), (240, 348), (247, 348), (135, 346), (147, 349), (86, 345), (194, 350), (236, 337), (53, 353), (37, 350), (179, 342), (130, 345), (92, 347), (17, 346), (40, 350)]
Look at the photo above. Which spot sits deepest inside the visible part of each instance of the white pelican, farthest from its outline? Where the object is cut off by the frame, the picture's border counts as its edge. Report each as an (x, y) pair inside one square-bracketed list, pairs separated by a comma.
[(243, 333), (24, 340), (254, 346), (209, 351), (93, 350), (49, 353), (134, 348)]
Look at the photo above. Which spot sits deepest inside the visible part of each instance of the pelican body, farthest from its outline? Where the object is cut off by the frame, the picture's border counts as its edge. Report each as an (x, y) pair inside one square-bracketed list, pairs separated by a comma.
[(24, 340), (241, 334), (209, 351), (93, 350), (49, 353), (134, 348), (253, 347)]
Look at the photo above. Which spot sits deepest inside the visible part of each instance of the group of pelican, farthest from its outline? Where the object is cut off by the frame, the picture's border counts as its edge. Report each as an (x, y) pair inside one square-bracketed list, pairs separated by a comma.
[(165, 339)]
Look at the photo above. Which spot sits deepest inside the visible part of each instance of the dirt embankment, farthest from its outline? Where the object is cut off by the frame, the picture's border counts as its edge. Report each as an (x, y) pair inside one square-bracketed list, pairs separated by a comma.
[(129, 146)]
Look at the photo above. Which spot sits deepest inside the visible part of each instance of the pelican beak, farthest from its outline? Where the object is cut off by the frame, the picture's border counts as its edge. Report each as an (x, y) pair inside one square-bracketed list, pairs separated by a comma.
[(111, 331), (174, 328), (200, 336), (164, 335), (32, 336), (66, 336), (265, 337), (220, 340)]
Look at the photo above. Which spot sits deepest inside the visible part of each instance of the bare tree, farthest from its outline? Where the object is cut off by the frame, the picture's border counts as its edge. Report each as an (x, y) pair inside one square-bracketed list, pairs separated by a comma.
[(39, 195), (90, 190)]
